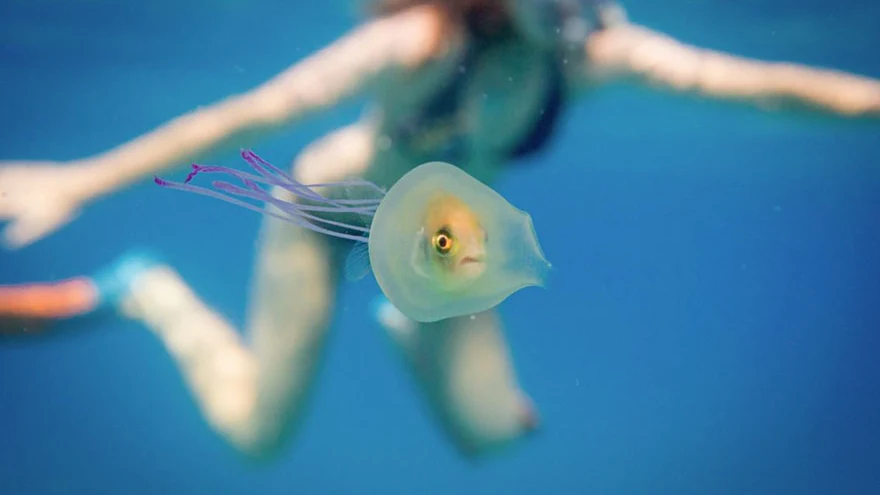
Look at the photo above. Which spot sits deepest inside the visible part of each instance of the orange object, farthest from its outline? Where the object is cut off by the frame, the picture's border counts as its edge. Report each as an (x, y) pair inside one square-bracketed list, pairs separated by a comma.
[(67, 298)]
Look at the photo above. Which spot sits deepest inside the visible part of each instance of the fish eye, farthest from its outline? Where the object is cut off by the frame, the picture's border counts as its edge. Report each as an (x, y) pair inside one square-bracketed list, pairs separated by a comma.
[(442, 241)]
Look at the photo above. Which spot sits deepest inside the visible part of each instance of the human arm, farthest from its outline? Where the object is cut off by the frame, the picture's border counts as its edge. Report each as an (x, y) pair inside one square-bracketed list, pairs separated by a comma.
[(631, 52), (40, 197)]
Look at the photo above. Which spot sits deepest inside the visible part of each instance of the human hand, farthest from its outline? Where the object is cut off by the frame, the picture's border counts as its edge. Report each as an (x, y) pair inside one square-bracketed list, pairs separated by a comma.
[(36, 198)]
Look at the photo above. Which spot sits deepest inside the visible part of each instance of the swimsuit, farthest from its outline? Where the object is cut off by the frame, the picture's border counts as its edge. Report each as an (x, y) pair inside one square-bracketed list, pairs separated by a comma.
[(438, 122)]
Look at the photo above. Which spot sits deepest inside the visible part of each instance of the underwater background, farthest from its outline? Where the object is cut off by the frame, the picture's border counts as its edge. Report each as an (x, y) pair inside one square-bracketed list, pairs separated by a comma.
[(712, 325)]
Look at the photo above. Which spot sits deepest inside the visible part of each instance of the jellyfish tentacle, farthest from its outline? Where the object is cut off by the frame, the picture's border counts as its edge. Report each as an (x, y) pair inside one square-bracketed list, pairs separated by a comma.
[(255, 161), (292, 211), (287, 206), (283, 179), (255, 189), (251, 181)]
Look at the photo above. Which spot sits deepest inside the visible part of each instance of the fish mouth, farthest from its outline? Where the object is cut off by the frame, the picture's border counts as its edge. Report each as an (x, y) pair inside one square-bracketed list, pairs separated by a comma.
[(467, 260)]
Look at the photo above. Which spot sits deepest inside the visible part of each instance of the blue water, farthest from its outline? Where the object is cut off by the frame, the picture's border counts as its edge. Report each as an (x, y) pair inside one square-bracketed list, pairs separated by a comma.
[(711, 327)]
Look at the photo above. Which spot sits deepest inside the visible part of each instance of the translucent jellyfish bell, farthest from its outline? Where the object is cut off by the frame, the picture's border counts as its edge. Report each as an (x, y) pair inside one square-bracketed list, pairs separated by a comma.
[(440, 243), (498, 251)]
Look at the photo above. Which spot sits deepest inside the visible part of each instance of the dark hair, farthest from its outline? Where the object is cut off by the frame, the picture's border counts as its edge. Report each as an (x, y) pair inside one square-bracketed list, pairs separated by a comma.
[(484, 16), (386, 7)]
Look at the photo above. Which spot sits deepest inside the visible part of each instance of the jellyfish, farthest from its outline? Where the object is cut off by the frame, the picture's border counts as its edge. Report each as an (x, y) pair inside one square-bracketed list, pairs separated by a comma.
[(439, 243)]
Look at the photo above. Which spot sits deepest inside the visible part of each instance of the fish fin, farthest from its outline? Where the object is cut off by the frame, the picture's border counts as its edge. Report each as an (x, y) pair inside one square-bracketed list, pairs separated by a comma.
[(357, 264)]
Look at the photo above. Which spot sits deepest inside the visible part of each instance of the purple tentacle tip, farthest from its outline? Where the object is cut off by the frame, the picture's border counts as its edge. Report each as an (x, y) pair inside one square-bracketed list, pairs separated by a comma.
[(195, 170), (161, 182)]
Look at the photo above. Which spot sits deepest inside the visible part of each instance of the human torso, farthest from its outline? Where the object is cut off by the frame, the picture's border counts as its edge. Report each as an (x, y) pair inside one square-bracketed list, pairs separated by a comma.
[(474, 107)]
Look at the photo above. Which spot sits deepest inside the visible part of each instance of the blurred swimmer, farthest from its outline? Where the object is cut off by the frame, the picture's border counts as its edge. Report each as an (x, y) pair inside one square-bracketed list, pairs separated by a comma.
[(478, 83)]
